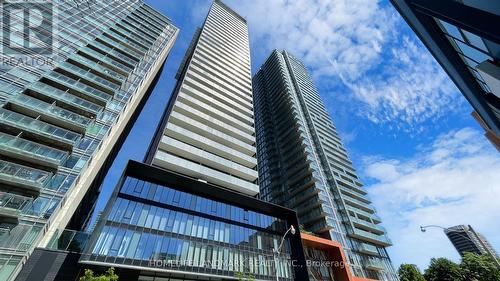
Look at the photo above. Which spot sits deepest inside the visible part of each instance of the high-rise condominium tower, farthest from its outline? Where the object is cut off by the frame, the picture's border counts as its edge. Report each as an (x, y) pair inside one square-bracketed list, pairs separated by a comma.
[(303, 165), (466, 239), (67, 98), (208, 131)]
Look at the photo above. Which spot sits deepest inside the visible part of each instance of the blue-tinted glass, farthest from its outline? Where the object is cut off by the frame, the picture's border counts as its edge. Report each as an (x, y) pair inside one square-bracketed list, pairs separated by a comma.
[(136, 214), (143, 215), (158, 193), (151, 192), (157, 218), (113, 251), (148, 251), (134, 242), (126, 241), (151, 214), (472, 53), (475, 40), (164, 195), (138, 187), (141, 246), (145, 189)]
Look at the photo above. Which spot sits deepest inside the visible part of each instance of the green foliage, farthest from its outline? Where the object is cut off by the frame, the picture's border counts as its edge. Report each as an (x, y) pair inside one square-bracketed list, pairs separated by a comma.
[(242, 277), (408, 272), (442, 269), (479, 268), (109, 276)]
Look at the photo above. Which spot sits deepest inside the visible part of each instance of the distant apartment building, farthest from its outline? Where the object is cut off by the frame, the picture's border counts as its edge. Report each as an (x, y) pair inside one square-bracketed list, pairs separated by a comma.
[(463, 36), (64, 117), (465, 239), (304, 166)]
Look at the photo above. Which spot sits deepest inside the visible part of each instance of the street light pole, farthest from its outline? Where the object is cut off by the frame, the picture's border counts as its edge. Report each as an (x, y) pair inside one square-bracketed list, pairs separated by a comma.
[(495, 259), (278, 250)]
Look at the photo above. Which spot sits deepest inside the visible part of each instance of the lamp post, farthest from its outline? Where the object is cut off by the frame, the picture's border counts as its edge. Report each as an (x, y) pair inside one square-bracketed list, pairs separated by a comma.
[(278, 250), (424, 229)]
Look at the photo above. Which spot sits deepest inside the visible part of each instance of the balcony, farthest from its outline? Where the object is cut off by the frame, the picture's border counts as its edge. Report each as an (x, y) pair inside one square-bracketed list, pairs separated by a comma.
[(354, 193), (125, 41), (109, 62), (99, 82), (79, 89), (11, 205), (38, 129), (28, 151), (368, 249), (123, 58), (368, 225), (119, 46), (374, 264), (358, 204), (135, 36), (95, 67), (74, 103), (381, 240), (22, 176), (369, 215), (51, 113)]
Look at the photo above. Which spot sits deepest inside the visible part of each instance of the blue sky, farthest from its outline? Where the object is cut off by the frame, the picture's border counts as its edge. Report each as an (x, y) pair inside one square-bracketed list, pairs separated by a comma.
[(406, 127)]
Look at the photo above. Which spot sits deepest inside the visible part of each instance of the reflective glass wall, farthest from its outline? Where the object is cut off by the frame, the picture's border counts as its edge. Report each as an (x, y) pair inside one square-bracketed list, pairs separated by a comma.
[(161, 228)]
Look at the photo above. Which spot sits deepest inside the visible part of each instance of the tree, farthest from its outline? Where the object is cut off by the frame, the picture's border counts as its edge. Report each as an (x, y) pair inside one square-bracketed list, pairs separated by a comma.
[(242, 277), (408, 272), (109, 276), (479, 268), (442, 269)]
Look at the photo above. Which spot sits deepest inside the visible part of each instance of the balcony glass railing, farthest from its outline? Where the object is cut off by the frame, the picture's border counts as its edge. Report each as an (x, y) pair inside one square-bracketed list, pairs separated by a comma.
[(69, 240), (12, 204), (374, 238), (19, 238), (134, 36), (354, 193), (38, 127), (127, 41), (145, 22), (139, 28), (14, 145), (21, 175), (368, 249), (65, 97), (357, 203), (115, 44), (369, 225), (374, 264), (50, 110), (373, 216), (98, 68), (80, 87), (119, 67), (114, 53), (112, 87)]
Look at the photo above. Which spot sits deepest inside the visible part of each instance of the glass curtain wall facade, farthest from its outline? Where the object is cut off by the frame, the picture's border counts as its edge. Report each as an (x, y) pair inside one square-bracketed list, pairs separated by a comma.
[(208, 130), (59, 122), (304, 166), (169, 229), (463, 37)]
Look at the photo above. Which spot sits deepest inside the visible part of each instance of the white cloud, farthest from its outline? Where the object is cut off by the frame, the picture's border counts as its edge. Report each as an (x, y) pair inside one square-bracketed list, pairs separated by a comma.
[(359, 44), (456, 180)]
